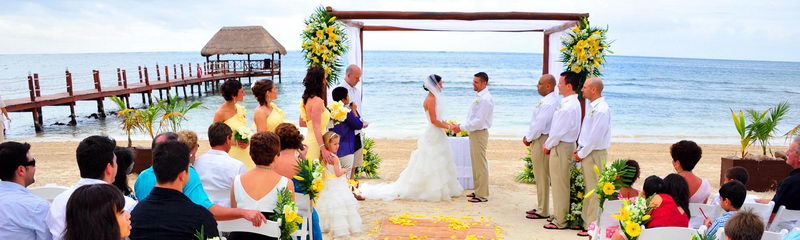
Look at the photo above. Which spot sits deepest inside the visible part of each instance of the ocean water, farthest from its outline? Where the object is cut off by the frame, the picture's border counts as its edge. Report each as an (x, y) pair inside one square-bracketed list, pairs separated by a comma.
[(652, 99)]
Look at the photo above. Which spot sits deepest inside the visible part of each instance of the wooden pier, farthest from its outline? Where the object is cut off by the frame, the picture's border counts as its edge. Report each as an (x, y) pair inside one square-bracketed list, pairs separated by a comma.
[(207, 75)]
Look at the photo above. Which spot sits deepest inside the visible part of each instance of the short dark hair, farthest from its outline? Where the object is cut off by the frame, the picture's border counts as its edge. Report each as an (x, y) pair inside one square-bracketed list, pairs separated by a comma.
[(163, 137), (94, 153), (653, 185), (733, 191), (124, 162), (635, 165), (218, 134), (339, 93), (260, 88), (679, 190), (92, 212), (230, 88), (737, 173), (438, 80), (572, 79), (744, 225), (170, 158), (687, 153), (290, 136), (483, 76), (12, 155), (264, 146)]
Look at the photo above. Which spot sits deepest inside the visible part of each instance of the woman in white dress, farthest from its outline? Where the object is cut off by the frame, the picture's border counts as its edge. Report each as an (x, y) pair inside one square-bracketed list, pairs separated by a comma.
[(431, 172)]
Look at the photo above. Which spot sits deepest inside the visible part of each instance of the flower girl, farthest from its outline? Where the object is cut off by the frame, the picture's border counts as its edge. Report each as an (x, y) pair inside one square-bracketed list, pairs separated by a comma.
[(338, 209)]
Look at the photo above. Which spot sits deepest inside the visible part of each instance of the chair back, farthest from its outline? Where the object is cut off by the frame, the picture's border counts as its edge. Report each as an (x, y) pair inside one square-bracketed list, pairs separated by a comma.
[(762, 210), (711, 211), (774, 235), (271, 229), (218, 197), (667, 233), (48, 192), (785, 219), (605, 220), (305, 208)]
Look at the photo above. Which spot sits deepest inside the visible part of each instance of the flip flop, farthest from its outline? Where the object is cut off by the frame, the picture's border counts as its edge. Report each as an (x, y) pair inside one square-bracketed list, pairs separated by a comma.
[(553, 227), (536, 216), (532, 211), (471, 195), (583, 234), (477, 200), (576, 227)]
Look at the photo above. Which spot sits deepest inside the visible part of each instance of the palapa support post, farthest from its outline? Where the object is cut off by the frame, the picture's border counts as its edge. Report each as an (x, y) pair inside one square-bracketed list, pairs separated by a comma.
[(280, 73), (101, 113), (72, 121)]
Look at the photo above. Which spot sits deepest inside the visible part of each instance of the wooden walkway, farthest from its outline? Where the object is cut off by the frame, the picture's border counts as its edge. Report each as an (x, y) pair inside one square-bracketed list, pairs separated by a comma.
[(207, 74)]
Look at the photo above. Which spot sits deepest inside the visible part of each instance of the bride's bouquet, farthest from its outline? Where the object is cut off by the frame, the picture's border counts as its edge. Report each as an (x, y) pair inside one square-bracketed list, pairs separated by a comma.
[(338, 112), (310, 176), (451, 133)]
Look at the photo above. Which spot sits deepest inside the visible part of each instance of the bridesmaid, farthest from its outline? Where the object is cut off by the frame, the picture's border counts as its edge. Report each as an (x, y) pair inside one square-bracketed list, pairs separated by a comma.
[(314, 115), (267, 115), (233, 115)]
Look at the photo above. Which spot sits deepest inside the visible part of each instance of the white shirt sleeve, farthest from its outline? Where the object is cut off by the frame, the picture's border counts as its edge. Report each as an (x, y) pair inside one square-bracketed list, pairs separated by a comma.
[(540, 121), (480, 117), (600, 121)]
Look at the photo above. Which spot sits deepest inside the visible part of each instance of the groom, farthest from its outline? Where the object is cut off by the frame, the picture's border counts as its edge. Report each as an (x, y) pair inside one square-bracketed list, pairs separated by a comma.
[(479, 120)]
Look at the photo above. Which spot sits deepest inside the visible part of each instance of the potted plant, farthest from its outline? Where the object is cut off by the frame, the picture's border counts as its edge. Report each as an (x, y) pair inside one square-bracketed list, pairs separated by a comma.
[(758, 127), (175, 112)]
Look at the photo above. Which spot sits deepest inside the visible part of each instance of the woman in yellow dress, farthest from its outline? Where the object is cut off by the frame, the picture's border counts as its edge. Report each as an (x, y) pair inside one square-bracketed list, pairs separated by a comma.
[(233, 115), (268, 115), (314, 115)]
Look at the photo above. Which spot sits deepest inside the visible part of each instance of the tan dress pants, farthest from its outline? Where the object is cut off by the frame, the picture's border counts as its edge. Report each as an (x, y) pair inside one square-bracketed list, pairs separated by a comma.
[(541, 171), (561, 162), (478, 140), (591, 205)]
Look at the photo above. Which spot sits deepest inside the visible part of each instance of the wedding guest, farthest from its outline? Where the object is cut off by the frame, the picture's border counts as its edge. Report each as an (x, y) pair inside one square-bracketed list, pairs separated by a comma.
[(292, 150), (124, 167), (314, 115), (2, 122), (564, 129), (685, 156), (268, 115), (628, 192), (351, 79), (192, 189), (189, 138), (535, 138), (22, 214), (233, 114), (789, 189), (479, 120), (346, 130), (97, 164), (338, 209), (735, 174), (216, 168), (732, 195), (595, 138), (744, 225), (96, 211), (258, 188), (167, 213), (669, 210)]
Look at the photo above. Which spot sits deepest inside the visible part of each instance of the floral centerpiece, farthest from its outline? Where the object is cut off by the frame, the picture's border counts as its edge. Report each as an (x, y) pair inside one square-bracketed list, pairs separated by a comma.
[(371, 163), (338, 112), (310, 177), (633, 215), (451, 133), (324, 42), (612, 179), (242, 134), (576, 194), (526, 176), (286, 213), (584, 51)]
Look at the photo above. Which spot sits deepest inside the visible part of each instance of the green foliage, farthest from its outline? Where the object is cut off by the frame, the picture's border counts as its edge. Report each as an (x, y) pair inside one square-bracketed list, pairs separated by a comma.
[(761, 126), (576, 195), (285, 213), (371, 163), (310, 177), (175, 111), (703, 236), (130, 118), (745, 134), (526, 176)]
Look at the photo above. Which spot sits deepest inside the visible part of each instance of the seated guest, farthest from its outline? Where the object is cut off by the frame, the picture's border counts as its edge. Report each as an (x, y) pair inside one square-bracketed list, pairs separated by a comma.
[(22, 214), (739, 174), (685, 156), (124, 168), (97, 165), (166, 213), (291, 145), (744, 225), (346, 130), (732, 195), (629, 192), (667, 211), (216, 168), (189, 138), (193, 189), (96, 212), (789, 189), (258, 188)]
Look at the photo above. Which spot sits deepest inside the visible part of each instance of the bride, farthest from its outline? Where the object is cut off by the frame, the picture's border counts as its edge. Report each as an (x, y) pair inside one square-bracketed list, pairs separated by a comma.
[(431, 172)]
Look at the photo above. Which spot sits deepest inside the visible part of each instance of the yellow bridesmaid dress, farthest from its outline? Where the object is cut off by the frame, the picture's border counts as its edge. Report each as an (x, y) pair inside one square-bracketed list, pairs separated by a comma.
[(275, 118), (311, 139), (239, 120)]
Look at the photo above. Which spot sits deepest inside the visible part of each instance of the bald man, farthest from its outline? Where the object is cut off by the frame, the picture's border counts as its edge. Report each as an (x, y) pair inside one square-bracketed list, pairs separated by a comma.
[(537, 134), (595, 138), (351, 79)]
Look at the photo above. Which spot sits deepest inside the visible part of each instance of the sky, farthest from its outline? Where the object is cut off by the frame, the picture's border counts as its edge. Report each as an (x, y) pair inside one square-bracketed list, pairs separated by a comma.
[(744, 30)]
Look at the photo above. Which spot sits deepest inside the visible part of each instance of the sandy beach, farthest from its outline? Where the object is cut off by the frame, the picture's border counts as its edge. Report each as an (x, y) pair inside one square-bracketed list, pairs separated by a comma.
[(508, 201)]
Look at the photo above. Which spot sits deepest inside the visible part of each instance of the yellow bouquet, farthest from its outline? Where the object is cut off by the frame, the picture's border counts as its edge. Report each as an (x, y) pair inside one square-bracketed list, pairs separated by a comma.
[(310, 177), (633, 215), (451, 133), (286, 213), (338, 111)]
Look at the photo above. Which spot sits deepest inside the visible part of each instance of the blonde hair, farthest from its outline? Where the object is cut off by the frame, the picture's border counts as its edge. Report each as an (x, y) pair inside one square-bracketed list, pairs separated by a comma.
[(328, 137), (188, 138)]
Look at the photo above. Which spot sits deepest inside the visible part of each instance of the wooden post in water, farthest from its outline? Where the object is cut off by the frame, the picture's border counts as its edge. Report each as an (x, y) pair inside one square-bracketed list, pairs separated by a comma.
[(72, 121), (38, 94), (149, 92), (119, 77), (140, 74), (190, 70), (37, 125), (125, 86), (97, 86), (158, 73), (174, 72)]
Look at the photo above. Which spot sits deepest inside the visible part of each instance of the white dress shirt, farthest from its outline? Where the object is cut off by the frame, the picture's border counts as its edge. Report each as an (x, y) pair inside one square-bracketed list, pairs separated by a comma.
[(56, 220), (480, 112), (596, 128), (566, 122), (541, 116), (216, 170), (22, 214)]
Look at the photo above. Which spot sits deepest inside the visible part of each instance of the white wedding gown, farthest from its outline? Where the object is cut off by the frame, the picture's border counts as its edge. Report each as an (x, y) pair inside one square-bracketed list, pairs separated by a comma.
[(430, 174)]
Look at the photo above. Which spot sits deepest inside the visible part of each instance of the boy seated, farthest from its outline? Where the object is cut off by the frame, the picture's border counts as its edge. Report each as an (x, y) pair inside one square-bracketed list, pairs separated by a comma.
[(732, 195), (739, 174)]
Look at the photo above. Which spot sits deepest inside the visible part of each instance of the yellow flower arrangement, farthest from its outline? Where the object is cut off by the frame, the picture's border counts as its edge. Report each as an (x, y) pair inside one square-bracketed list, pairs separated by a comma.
[(324, 42), (286, 213), (338, 111), (585, 48), (451, 133), (608, 188), (633, 215)]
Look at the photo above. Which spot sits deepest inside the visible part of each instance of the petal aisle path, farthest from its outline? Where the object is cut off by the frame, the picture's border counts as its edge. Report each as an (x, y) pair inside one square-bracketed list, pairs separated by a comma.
[(409, 226)]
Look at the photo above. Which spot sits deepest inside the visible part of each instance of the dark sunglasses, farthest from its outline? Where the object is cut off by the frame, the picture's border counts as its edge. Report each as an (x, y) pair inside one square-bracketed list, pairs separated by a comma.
[(31, 163)]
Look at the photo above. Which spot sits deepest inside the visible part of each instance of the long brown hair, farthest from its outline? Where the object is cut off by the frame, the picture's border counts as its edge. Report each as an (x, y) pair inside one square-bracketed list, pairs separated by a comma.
[(314, 83)]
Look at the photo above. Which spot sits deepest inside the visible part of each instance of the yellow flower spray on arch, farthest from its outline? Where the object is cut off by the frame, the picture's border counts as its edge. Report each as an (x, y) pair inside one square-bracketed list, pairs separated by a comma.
[(324, 42)]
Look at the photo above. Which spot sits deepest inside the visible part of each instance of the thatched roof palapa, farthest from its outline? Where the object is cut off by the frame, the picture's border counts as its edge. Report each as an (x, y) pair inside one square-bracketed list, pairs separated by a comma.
[(242, 40)]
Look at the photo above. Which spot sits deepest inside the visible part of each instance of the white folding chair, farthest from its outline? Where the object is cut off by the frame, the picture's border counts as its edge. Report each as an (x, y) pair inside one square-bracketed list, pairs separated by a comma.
[(667, 233), (711, 211), (303, 202), (217, 195), (762, 210), (721, 233), (774, 235), (48, 192), (785, 219), (605, 220), (271, 229)]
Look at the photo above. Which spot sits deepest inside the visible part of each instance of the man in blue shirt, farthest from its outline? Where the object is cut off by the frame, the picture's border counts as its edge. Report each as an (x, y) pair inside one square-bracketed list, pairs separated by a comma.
[(22, 214)]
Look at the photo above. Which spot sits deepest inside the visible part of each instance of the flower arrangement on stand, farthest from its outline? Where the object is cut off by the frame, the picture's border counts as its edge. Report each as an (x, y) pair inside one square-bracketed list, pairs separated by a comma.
[(584, 51), (338, 112), (286, 214), (526, 176), (324, 42), (451, 133), (310, 175), (372, 162), (611, 179), (576, 195), (633, 215)]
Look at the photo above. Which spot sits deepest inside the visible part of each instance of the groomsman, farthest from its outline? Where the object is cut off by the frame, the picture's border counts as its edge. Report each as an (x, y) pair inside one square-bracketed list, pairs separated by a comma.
[(537, 135), (560, 145), (593, 142), (479, 120)]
